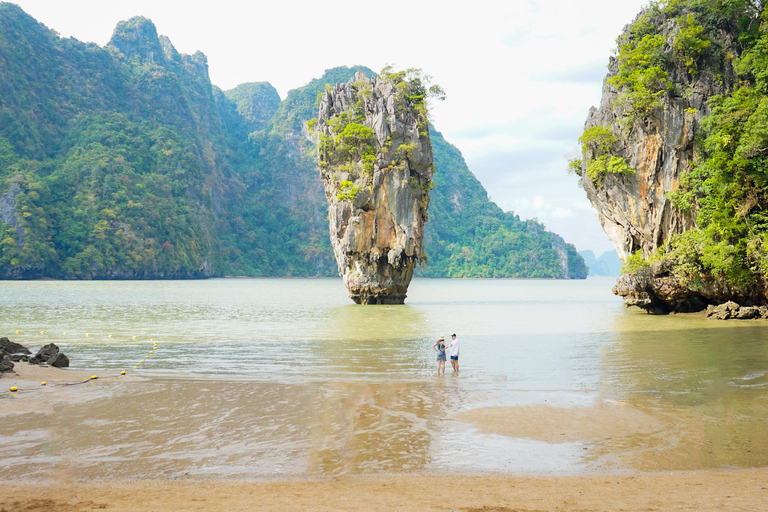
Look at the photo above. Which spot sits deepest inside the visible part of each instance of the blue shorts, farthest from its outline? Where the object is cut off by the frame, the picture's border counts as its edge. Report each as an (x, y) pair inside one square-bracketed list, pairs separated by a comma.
[(454, 358)]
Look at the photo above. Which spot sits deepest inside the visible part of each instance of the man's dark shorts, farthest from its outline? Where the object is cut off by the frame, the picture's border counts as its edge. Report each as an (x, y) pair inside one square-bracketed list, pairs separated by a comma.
[(454, 358)]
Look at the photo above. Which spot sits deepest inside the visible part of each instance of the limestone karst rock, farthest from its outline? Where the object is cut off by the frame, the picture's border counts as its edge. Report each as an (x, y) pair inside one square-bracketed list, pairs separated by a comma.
[(635, 210), (376, 163), (655, 143)]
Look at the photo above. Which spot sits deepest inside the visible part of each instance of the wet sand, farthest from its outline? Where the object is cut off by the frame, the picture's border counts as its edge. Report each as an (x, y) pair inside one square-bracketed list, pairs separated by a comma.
[(26, 375), (68, 488), (563, 425), (33, 397), (745, 490)]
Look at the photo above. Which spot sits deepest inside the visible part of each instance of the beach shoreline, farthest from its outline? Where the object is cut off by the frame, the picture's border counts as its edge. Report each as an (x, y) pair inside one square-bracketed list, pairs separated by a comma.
[(64, 488), (710, 490)]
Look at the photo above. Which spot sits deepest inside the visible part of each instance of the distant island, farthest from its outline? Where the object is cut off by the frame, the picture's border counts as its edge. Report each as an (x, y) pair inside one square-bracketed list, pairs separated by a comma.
[(607, 264), (125, 162)]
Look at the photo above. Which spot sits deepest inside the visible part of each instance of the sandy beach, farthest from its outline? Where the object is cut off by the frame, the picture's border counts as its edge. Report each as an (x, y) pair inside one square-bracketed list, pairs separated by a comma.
[(744, 490)]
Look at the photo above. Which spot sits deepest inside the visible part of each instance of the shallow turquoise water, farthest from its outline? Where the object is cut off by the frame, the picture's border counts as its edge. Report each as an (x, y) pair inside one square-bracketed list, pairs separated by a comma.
[(271, 377)]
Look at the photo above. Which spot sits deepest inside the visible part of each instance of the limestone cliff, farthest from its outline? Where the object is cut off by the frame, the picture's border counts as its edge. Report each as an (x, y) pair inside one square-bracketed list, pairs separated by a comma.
[(376, 163), (634, 209), (655, 97)]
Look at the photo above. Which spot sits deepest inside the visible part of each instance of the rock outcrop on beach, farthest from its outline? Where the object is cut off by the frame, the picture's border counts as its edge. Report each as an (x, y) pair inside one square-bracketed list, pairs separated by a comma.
[(659, 290), (50, 355), (6, 365), (10, 352), (376, 163), (12, 348), (653, 161), (731, 310)]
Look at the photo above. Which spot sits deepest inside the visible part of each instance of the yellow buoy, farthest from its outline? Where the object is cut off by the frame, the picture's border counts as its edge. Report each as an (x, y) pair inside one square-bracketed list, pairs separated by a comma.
[(151, 352), (123, 372), (94, 377), (146, 357), (64, 333), (135, 367), (17, 331), (87, 334), (110, 335), (151, 339), (14, 389), (134, 337), (42, 332), (42, 383), (141, 362)]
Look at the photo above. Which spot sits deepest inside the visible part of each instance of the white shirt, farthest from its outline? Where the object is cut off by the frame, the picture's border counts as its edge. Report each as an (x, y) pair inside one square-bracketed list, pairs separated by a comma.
[(455, 347)]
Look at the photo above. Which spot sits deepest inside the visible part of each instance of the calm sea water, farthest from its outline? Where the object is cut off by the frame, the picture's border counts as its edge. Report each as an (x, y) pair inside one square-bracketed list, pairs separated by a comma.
[(287, 377)]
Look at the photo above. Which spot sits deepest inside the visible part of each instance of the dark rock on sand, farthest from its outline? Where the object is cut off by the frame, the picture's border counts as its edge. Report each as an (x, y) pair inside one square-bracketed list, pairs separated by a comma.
[(6, 365), (50, 355), (11, 348)]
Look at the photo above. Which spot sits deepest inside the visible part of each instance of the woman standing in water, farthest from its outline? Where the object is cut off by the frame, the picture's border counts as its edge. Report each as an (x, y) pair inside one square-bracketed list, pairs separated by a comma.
[(439, 346)]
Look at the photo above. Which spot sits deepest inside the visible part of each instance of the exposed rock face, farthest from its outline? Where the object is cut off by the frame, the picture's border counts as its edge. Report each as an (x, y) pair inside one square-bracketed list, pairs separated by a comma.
[(377, 183), (635, 210), (659, 291)]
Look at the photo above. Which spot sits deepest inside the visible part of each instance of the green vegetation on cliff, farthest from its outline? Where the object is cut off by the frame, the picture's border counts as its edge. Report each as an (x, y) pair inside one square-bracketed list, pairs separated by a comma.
[(596, 142), (125, 162), (726, 190)]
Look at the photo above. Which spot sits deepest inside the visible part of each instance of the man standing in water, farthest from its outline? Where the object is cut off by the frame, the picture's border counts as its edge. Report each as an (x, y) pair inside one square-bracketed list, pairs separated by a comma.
[(454, 353)]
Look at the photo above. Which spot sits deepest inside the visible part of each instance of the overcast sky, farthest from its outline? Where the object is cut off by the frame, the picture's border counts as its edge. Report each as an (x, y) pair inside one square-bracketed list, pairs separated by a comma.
[(520, 76)]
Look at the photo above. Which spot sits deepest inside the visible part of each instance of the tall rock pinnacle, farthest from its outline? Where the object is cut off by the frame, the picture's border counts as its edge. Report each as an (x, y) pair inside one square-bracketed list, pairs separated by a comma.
[(376, 163)]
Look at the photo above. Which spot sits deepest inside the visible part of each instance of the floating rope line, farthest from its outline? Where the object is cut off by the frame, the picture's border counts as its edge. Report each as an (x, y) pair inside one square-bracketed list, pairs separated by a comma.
[(14, 390), (93, 377)]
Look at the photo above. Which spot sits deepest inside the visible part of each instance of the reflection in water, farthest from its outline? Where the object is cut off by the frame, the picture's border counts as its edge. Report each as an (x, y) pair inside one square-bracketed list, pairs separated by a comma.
[(707, 378), (172, 428), (285, 378), (373, 341), (358, 426)]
